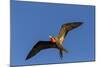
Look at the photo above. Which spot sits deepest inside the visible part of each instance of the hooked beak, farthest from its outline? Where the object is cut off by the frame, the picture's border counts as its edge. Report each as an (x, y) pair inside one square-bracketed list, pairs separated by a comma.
[(50, 36)]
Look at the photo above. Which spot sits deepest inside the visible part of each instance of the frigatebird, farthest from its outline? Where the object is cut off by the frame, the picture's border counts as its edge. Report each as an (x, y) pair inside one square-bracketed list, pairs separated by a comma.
[(55, 42)]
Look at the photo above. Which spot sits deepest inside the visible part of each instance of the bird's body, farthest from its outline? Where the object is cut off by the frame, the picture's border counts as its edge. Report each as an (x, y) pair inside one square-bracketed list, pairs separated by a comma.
[(55, 42)]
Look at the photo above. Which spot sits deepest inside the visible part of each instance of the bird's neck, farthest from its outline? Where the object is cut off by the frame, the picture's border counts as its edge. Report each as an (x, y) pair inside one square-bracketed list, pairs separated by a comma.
[(53, 40)]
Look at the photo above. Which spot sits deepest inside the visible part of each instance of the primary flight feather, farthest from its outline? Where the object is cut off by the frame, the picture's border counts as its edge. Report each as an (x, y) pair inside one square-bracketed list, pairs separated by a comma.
[(55, 42)]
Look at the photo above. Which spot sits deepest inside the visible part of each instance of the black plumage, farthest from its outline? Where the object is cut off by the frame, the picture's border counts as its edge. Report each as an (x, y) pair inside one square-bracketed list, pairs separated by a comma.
[(41, 45)]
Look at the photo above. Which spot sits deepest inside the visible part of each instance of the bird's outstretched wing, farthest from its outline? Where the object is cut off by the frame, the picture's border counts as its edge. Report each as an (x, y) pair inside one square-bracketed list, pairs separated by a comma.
[(40, 46), (65, 28)]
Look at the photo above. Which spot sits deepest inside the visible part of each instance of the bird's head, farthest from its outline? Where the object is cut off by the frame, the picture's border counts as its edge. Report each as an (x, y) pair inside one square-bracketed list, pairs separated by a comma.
[(52, 39)]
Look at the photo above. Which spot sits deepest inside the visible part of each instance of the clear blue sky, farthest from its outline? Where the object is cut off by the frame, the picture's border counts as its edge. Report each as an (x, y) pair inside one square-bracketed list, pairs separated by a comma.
[(31, 22)]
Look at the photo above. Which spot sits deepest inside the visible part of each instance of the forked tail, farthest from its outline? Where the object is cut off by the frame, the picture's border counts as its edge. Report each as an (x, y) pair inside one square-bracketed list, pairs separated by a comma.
[(61, 52)]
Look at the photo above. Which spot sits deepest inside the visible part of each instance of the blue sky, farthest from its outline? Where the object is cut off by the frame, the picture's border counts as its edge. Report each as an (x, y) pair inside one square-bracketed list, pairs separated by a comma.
[(31, 22)]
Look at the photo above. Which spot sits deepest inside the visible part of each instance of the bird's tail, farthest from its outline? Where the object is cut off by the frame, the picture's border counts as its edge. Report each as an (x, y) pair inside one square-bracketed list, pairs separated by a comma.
[(61, 53), (61, 50)]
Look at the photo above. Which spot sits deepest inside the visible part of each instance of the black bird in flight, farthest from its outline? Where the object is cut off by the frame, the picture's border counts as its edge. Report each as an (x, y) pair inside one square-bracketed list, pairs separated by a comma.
[(55, 42)]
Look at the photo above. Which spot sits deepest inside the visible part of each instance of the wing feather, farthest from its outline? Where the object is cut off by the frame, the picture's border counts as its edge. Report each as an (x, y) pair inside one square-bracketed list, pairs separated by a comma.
[(65, 28), (40, 46)]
